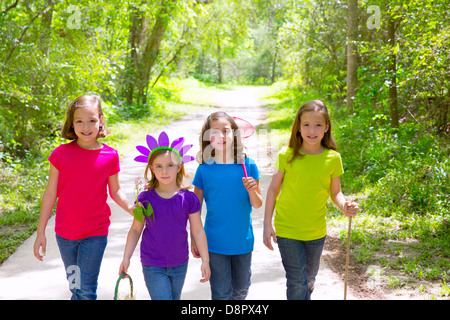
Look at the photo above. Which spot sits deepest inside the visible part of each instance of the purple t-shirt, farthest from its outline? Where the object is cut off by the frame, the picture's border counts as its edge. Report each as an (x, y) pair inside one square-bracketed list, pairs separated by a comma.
[(164, 241)]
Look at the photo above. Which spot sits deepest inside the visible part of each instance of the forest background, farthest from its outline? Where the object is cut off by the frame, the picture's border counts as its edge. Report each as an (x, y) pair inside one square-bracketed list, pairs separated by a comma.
[(381, 66)]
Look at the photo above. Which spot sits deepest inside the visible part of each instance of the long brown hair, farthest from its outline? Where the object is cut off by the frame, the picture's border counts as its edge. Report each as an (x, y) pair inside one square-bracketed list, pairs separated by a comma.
[(68, 131), (153, 183), (296, 139), (206, 151)]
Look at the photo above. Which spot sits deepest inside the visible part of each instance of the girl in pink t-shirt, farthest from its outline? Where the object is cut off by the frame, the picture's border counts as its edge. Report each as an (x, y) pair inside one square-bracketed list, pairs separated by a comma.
[(80, 172)]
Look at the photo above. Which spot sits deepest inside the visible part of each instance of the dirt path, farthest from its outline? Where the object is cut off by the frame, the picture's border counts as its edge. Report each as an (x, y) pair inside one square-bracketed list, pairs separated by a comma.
[(23, 277)]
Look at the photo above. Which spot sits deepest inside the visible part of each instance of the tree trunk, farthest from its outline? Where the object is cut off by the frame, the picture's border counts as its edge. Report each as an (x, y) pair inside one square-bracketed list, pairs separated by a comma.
[(219, 60), (137, 33), (352, 58), (151, 49), (274, 65), (145, 49), (392, 71), (445, 106), (44, 39)]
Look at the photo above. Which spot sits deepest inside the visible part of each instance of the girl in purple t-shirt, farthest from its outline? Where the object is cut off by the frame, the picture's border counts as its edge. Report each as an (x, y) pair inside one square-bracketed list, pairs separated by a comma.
[(164, 246)]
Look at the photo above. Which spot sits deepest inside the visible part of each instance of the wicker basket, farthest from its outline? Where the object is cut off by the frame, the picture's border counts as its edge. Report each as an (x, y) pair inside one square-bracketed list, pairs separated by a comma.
[(129, 296)]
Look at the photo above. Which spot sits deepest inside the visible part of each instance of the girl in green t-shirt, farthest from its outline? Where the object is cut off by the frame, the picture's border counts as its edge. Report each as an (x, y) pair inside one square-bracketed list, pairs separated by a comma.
[(308, 169)]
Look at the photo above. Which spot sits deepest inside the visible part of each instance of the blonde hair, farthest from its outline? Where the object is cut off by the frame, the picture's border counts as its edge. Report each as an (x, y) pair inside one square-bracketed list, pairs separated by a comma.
[(67, 131), (296, 139), (153, 183)]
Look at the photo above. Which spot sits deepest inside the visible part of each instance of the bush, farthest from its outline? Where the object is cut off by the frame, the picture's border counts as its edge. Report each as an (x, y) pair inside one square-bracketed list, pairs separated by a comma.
[(403, 171)]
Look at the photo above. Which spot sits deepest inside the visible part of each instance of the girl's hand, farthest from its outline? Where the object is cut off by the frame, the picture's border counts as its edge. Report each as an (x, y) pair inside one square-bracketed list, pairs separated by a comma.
[(268, 236), (124, 266), (250, 184), (131, 207), (206, 271), (350, 208), (40, 242), (194, 249), (136, 205)]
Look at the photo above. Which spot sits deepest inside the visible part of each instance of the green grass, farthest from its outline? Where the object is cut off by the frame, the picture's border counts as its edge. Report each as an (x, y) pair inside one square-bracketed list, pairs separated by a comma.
[(20, 187)]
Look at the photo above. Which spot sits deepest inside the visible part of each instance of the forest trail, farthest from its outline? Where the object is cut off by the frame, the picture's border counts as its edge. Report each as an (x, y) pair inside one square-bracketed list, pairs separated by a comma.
[(24, 277)]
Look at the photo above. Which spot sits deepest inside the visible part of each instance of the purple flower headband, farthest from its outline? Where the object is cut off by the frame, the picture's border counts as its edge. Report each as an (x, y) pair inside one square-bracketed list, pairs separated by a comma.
[(163, 143)]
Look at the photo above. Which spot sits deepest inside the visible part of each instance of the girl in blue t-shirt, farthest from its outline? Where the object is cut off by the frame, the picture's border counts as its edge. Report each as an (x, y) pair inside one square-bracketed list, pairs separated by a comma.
[(229, 198)]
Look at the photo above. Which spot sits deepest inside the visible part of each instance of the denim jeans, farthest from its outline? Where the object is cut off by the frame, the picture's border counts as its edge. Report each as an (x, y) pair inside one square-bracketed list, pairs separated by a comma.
[(301, 261), (230, 276), (165, 283), (82, 259)]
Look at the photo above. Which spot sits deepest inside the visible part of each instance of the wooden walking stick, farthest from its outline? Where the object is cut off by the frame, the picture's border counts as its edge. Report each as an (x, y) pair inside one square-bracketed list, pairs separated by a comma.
[(348, 256)]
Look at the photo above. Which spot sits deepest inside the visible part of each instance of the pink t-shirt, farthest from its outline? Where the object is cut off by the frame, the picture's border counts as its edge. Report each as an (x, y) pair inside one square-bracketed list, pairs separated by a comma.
[(82, 210)]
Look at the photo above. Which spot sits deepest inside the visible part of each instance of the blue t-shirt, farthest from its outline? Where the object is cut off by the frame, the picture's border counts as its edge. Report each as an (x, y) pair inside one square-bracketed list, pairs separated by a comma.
[(228, 223)]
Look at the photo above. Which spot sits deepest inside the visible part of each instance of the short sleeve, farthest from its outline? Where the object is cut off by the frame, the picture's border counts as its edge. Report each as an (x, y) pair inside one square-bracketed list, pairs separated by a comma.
[(337, 168), (146, 197), (280, 161), (198, 181), (141, 198), (253, 169), (115, 164), (54, 159), (194, 204)]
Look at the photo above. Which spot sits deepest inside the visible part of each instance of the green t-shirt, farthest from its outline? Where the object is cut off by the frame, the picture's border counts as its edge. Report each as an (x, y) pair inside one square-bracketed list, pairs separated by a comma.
[(301, 206)]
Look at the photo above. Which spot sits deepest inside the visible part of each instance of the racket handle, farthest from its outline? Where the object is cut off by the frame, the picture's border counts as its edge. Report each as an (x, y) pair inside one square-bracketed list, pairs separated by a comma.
[(243, 166)]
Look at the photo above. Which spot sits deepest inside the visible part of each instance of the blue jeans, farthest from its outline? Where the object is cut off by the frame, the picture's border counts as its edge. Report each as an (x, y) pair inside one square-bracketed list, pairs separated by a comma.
[(230, 276), (165, 283), (301, 260), (82, 259)]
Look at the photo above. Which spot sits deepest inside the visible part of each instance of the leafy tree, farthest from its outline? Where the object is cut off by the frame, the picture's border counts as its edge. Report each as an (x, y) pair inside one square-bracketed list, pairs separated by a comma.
[(145, 45), (222, 39), (352, 58)]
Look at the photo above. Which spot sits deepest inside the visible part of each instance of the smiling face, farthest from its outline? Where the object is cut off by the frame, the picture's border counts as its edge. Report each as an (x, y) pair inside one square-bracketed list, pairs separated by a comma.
[(165, 169), (313, 127), (86, 124), (221, 135)]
